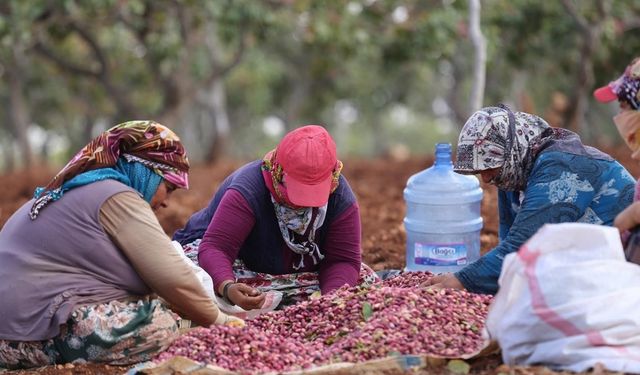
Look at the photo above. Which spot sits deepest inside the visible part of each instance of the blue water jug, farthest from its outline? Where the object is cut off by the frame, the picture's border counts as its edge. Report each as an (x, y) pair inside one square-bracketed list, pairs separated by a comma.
[(443, 220)]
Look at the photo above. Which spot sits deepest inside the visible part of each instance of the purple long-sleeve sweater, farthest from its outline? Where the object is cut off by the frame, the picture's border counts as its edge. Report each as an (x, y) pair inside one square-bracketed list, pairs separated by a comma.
[(240, 222)]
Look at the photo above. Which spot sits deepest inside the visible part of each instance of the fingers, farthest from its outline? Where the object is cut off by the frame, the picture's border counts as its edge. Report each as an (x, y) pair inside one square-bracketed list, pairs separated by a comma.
[(233, 321), (229, 320), (251, 303), (622, 221), (246, 297), (442, 281), (247, 290), (256, 302), (434, 280), (628, 218), (436, 286)]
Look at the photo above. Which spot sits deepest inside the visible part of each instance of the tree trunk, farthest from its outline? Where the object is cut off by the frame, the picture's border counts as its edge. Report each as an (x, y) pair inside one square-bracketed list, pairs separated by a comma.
[(380, 142), (480, 59), (87, 129), (459, 114), (218, 108), (9, 161), (18, 108), (584, 81), (297, 97), (590, 31)]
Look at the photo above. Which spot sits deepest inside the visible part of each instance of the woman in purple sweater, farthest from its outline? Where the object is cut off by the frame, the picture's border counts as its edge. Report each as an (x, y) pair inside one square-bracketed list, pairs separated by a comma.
[(289, 222)]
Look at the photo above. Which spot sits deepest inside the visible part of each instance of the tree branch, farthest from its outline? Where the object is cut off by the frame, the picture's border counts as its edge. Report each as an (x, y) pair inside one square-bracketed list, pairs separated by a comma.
[(182, 18), (221, 71), (95, 48), (178, 87), (604, 9), (69, 66), (630, 23), (577, 17), (63, 64), (5, 9)]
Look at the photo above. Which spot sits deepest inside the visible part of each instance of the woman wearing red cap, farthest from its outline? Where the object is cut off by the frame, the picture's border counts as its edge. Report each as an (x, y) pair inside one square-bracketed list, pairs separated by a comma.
[(84, 261), (626, 90), (289, 222)]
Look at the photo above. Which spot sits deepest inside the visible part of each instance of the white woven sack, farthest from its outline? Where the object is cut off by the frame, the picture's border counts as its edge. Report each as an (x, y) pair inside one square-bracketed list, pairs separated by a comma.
[(569, 300)]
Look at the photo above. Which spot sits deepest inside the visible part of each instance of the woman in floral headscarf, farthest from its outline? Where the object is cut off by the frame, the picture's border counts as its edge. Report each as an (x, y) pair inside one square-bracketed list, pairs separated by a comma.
[(82, 260), (543, 175), (285, 225)]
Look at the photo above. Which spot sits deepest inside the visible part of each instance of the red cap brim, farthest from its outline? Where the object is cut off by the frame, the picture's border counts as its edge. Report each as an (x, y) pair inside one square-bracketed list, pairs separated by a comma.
[(305, 195), (605, 94)]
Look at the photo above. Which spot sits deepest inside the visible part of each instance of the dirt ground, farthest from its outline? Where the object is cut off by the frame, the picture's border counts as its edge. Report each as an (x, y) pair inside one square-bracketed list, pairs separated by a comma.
[(378, 185)]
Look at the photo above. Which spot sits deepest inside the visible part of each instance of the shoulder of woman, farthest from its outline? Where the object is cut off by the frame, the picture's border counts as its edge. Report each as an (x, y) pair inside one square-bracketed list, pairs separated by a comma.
[(125, 204)]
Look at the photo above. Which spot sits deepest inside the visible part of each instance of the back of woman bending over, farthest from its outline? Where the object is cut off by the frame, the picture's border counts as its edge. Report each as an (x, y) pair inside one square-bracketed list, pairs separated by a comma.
[(84, 262), (543, 174)]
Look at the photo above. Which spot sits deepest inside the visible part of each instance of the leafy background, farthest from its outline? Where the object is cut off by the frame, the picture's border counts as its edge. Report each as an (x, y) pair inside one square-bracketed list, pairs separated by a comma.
[(231, 76)]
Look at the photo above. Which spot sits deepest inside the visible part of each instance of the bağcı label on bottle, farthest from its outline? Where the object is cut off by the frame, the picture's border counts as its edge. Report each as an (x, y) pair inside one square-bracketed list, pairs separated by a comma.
[(439, 254)]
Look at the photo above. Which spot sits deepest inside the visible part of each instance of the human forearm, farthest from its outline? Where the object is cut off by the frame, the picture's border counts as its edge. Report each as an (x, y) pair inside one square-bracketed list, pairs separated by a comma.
[(337, 275), (136, 231), (343, 254), (218, 266), (221, 243), (628, 218), (482, 275)]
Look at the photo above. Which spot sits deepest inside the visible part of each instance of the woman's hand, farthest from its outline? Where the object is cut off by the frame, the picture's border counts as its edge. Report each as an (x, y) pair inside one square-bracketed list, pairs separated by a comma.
[(628, 218), (245, 296), (229, 320), (445, 280)]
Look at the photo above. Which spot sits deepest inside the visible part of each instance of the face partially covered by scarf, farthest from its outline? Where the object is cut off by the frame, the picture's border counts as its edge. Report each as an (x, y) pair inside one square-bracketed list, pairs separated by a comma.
[(124, 153), (298, 225), (495, 137), (628, 125), (626, 90)]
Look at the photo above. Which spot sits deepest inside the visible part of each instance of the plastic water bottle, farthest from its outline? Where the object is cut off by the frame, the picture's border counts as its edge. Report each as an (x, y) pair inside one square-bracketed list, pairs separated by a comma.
[(443, 220)]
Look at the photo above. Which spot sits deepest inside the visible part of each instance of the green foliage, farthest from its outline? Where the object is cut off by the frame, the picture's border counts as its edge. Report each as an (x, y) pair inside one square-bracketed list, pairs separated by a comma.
[(300, 61), (458, 366), (367, 311)]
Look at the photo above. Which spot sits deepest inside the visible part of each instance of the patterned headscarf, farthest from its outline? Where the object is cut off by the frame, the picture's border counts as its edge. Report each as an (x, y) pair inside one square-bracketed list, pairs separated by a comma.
[(495, 137), (147, 143), (298, 225)]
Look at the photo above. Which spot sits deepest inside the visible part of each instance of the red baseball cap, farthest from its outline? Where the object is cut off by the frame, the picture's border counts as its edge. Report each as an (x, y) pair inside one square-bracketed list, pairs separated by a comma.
[(624, 89), (605, 94), (308, 157)]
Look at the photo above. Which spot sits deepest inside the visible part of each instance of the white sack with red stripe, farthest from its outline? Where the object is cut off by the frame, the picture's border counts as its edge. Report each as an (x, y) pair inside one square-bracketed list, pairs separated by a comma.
[(569, 300)]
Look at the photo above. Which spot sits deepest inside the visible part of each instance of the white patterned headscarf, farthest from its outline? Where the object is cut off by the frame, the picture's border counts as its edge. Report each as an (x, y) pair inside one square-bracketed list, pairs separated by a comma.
[(298, 227), (495, 137)]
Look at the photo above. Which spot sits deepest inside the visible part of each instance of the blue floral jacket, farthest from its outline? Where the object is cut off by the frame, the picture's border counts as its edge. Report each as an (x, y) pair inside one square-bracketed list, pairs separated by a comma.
[(562, 187)]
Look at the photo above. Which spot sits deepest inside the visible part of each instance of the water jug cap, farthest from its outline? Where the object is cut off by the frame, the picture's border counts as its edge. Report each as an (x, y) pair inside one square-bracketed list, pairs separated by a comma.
[(439, 183), (443, 155)]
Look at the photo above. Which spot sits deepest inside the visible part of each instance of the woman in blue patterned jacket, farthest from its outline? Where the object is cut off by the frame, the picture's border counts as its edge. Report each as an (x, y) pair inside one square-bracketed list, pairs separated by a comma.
[(543, 174)]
